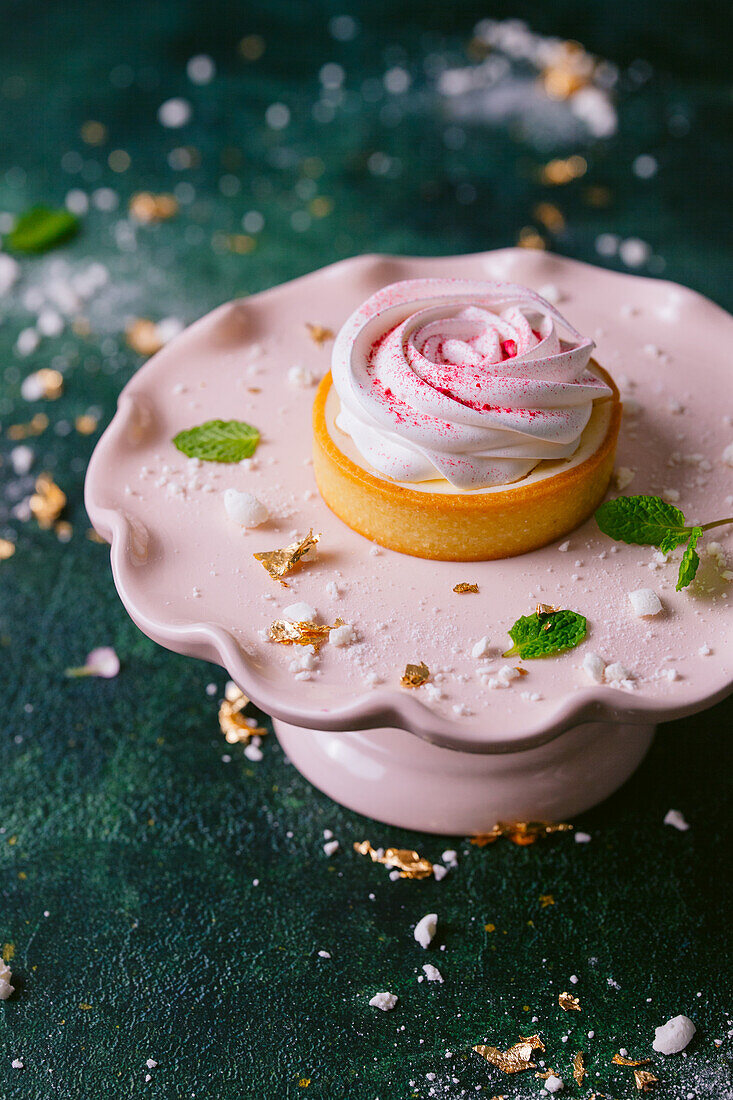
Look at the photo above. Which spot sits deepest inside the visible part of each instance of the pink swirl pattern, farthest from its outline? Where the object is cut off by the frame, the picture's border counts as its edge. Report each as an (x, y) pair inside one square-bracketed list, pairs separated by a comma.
[(462, 380)]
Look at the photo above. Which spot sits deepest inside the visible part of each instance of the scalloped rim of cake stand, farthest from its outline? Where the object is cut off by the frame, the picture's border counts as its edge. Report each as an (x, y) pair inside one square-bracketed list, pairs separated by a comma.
[(379, 707)]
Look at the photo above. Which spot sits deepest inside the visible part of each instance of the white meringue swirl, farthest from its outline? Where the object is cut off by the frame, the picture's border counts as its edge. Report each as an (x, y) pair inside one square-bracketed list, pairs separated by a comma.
[(462, 380)]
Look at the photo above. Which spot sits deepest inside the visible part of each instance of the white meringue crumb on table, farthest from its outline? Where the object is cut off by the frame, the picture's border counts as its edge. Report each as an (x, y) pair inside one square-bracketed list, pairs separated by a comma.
[(645, 602), (673, 1036), (425, 929), (385, 1001), (676, 820), (300, 612)]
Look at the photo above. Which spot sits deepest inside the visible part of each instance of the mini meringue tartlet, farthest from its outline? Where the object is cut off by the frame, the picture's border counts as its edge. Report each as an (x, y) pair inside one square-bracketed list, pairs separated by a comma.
[(463, 421)]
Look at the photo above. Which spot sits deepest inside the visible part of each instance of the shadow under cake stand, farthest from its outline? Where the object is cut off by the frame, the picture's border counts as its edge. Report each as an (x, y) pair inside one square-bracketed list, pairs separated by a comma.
[(463, 756)]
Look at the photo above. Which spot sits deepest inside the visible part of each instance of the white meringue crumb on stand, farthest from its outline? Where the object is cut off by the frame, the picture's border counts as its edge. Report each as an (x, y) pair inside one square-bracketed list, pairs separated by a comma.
[(330, 847), (623, 477), (554, 1084), (425, 929), (301, 377), (595, 667), (300, 612), (676, 820), (645, 602), (582, 838), (385, 1001), (482, 648), (244, 508), (432, 973), (341, 636), (673, 1036)]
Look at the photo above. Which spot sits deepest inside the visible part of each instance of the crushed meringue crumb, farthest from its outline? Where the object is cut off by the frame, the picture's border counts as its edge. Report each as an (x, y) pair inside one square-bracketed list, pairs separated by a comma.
[(342, 635), (244, 508), (645, 602), (425, 929), (300, 376), (330, 847), (300, 612), (624, 476), (432, 973), (676, 820), (385, 1001), (673, 1036), (594, 666)]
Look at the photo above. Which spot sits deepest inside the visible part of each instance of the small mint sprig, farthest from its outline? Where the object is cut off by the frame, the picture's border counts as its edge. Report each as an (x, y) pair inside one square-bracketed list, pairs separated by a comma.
[(41, 228), (545, 634), (219, 441), (651, 521)]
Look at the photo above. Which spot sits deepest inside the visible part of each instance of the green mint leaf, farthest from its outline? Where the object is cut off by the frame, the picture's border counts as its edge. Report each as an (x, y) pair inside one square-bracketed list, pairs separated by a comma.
[(41, 228), (545, 635), (219, 441), (690, 560), (646, 521)]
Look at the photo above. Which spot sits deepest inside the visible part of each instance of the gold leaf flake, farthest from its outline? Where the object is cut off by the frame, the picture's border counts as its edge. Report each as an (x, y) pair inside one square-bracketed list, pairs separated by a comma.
[(236, 727), (644, 1079), (35, 426), (143, 337), (620, 1060), (546, 609), (407, 862), (280, 562), (285, 632), (86, 424), (7, 549), (546, 899), (465, 586), (415, 675), (568, 1002), (146, 207), (516, 1058), (545, 1073), (520, 832), (319, 333), (48, 501), (579, 1070)]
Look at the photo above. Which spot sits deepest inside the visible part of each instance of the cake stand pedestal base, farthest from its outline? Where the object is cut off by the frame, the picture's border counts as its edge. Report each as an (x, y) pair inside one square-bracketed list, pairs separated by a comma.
[(399, 779)]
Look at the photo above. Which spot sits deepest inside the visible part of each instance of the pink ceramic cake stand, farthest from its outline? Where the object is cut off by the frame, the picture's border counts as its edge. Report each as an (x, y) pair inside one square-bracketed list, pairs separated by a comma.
[(459, 755)]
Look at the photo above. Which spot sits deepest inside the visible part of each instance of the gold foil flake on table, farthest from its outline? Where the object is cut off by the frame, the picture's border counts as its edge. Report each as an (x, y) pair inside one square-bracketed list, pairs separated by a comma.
[(285, 632), (545, 1073), (48, 501), (407, 862), (7, 549), (620, 1060), (279, 563), (579, 1069), (86, 424), (546, 899), (516, 1058), (568, 1002), (35, 426), (237, 727), (146, 207), (644, 1080), (415, 675), (520, 832), (143, 337), (319, 333), (465, 586)]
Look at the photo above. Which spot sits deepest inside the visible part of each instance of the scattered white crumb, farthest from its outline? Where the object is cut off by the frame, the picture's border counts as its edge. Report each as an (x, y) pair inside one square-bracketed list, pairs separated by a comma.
[(432, 973), (21, 459), (151, 1063), (330, 847), (594, 666), (300, 376), (676, 820), (439, 872), (300, 612), (564, 547), (645, 602), (671, 495), (450, 857), (554, 1084), (482, 648), (704, 651), (244, 508), (385, 1001), (342, 635), (624, 476), (253, 753), (17, 1063), (324, 954), (673, 1036), (332, 589), (582, 838), (617, 672), (425, 929), (174, 113), (574, 979)]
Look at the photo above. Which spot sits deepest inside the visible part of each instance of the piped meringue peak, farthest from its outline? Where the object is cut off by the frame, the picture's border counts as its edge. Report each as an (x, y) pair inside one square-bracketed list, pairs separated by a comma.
[(467, 381)]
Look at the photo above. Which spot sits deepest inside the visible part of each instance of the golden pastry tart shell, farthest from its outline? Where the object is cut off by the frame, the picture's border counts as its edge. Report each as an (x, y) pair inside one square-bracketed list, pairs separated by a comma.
[(462, 526)]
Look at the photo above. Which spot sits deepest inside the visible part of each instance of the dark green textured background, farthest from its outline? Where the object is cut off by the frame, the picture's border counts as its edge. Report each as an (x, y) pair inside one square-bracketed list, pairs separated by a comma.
[(118, 816)]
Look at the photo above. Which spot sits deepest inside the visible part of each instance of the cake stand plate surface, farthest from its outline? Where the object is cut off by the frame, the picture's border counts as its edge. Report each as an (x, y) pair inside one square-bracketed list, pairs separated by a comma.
[(187, 575)]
